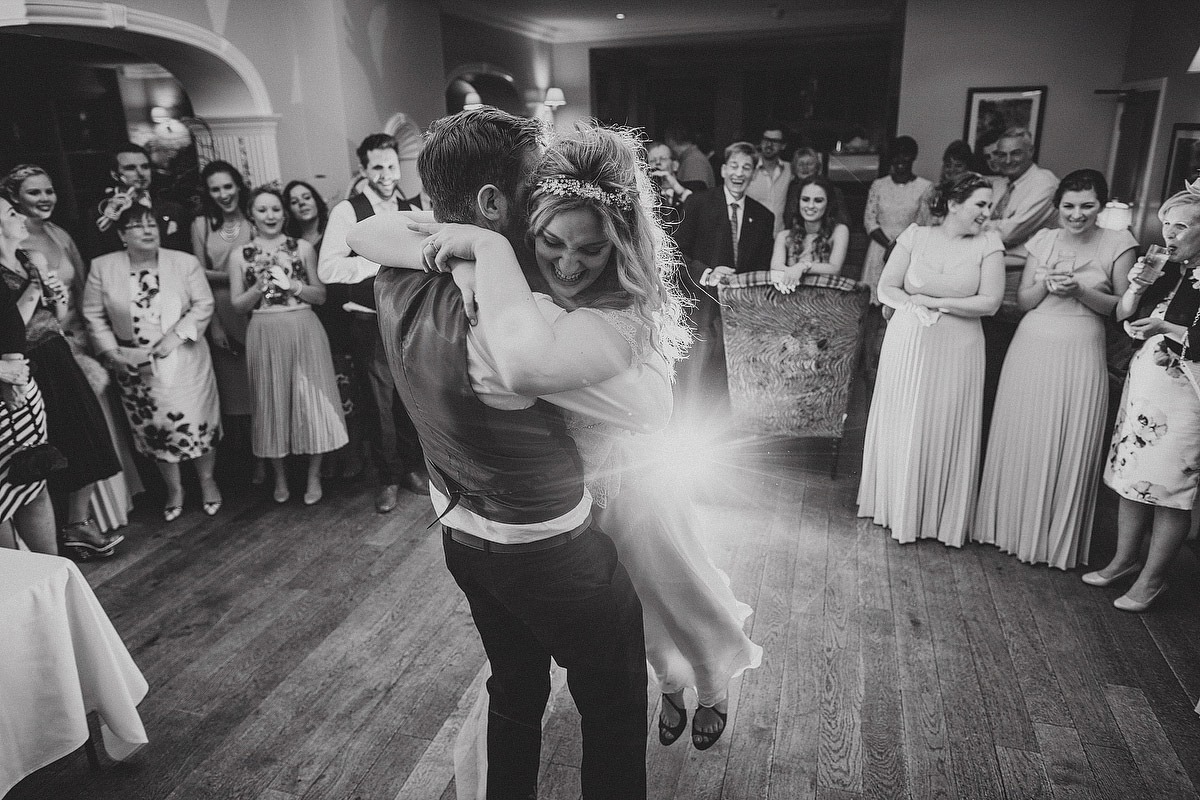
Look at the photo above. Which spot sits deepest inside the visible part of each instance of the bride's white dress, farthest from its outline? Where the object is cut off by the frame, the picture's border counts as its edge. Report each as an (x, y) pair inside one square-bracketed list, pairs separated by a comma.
[(693, 622)]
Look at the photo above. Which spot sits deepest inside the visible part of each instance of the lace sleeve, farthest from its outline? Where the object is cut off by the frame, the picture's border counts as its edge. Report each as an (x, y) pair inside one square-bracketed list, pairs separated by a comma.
[(631, 327)]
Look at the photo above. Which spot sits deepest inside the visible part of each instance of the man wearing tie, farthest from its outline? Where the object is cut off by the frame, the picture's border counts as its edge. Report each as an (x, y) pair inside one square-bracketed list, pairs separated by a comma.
[(350, 285), (1025, 206), (723, 232)]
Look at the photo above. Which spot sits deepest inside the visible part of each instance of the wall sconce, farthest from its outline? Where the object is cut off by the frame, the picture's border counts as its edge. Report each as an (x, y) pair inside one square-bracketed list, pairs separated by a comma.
[(472, 101), (1116, 216), (554, 98)]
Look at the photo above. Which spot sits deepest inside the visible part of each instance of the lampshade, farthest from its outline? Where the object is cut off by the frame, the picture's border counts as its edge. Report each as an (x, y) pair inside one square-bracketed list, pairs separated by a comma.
[(472, 101), (554, 97), (1116, 216)]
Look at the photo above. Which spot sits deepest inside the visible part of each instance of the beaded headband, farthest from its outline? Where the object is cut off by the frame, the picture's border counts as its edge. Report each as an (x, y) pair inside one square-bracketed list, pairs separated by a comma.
[(563, 186)]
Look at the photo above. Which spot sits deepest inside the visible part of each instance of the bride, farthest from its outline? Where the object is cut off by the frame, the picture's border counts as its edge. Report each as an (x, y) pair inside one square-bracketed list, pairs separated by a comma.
[(601, 253)]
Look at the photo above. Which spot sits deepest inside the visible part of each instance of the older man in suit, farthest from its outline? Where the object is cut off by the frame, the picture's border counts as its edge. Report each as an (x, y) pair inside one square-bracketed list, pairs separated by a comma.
[(723, 232)]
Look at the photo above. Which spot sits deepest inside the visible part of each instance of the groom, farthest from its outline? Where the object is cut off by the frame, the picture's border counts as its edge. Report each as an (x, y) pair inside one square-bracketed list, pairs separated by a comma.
[(541, 580)]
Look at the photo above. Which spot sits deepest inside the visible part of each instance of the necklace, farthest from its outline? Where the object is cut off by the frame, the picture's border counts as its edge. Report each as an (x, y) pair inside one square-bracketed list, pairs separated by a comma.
[(230, 232)]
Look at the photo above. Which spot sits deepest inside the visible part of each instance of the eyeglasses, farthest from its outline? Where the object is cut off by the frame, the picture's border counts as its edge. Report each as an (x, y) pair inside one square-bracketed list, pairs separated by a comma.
[(773, 141)]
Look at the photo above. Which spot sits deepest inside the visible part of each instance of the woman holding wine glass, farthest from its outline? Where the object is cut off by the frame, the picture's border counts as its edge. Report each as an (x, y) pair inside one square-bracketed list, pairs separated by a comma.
[(1042, 471), (1154, 461)]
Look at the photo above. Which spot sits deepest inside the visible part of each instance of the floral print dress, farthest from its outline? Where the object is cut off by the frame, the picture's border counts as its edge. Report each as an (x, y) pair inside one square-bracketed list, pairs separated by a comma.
[(172, 403), (1155, 453)]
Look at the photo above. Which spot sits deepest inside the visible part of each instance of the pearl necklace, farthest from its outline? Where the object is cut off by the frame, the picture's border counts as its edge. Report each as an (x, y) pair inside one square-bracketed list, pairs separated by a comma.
[(230, 233)]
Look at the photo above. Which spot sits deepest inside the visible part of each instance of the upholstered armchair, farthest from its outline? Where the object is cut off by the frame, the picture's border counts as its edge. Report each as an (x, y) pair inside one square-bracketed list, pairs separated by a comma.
[(791, 357)]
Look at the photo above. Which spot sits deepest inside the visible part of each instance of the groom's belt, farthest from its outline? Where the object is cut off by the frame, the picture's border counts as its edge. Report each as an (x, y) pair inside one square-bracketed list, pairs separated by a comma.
[(488, 546)]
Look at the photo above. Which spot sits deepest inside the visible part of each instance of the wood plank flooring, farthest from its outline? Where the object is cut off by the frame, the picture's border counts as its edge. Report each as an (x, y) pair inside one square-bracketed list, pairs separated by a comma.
[(301, 653)]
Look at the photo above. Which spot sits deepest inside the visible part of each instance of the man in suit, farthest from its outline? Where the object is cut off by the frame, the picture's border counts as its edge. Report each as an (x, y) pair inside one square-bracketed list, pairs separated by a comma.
[(350, 280), (723, 232), (130, 168)]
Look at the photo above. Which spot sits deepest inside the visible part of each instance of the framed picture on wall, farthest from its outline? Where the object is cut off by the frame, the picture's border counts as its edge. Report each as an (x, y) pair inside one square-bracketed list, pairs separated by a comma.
[(1184, 162), (990, 111)]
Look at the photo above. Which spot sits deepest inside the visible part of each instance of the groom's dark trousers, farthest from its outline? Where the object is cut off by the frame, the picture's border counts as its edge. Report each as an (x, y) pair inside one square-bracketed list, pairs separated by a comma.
[(564, 596)]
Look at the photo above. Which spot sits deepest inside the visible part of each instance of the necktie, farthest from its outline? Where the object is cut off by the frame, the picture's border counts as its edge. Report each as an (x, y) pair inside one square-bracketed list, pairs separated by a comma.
[(733, 226), (1002, 206)]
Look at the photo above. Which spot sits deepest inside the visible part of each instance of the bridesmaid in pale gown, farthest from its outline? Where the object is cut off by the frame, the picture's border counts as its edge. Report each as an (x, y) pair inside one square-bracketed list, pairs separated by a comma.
[(111, 498), (1042, 471), (921, 457)]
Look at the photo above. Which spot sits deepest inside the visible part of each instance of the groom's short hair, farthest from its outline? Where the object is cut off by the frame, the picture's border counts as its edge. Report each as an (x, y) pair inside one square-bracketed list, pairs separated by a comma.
[(468, 150)]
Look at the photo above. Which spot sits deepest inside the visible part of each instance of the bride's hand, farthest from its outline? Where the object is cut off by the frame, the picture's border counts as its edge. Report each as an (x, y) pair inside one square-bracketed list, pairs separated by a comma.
[(451, 241)]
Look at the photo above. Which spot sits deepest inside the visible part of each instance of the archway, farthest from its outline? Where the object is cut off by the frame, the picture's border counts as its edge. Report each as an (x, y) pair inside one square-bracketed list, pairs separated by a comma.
[(494, 86), (224, 86)]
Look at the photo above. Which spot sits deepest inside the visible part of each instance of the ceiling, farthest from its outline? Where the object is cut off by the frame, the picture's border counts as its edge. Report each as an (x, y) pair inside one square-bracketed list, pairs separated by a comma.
[(561, 21)]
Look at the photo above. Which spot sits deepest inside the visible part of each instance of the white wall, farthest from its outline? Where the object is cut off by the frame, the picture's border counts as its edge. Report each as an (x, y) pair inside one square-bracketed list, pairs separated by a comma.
[(1071, 46)]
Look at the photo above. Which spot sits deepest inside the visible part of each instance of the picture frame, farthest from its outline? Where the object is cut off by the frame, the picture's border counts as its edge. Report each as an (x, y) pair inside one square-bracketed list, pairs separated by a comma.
[(991, 110), (1183, 159)]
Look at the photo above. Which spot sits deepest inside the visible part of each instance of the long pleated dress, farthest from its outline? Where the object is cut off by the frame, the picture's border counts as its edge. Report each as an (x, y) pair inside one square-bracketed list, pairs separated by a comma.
[(921, 456), (1038, 492), (297, 408)]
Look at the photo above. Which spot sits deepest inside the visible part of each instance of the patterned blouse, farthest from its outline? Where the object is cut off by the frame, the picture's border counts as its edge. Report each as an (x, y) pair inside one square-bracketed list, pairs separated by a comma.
[(43, 324), (259, 262)]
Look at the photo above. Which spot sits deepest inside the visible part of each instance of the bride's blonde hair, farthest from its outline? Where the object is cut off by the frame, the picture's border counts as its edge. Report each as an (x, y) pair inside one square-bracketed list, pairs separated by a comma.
[(604, 169)]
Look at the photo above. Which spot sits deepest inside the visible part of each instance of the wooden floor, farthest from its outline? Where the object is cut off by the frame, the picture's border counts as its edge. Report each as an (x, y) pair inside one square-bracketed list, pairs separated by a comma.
[(326, 653)]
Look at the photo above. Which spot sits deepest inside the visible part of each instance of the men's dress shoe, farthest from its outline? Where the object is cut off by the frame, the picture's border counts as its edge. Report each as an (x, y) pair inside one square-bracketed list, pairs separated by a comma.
[(1096, 579), (1125, 603), (387, 498), (416, 482)]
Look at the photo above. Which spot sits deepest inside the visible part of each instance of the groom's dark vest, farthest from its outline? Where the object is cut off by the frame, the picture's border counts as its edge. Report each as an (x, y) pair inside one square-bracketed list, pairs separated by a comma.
[(515, 467)]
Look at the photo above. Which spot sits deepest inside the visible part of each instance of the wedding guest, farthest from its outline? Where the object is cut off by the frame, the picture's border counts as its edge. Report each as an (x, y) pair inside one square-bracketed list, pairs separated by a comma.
[(1154, 461), (297, 409), (817, 241), (306, 213), (220, 231), (306, 218), (75, 419), (921, 457), (956, 160), (1038, 492), (146, 308), (25, 506), (893, 204), (112, 498)]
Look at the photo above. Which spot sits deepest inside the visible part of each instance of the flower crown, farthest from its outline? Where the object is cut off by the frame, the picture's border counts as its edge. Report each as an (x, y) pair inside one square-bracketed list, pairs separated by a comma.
[(563, 186)]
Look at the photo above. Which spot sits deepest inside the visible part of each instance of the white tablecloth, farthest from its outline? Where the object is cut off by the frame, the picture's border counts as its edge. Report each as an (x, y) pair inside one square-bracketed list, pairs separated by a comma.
[(60, 658)]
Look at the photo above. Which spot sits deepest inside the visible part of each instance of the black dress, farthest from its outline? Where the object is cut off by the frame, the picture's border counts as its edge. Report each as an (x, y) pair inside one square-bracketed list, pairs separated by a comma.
[(74, 418)]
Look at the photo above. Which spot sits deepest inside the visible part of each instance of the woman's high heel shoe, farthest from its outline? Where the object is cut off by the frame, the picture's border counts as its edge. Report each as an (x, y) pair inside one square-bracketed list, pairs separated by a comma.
[(1097, 579), (1125, 603), (172, 513), (669, 734), (82, 542)]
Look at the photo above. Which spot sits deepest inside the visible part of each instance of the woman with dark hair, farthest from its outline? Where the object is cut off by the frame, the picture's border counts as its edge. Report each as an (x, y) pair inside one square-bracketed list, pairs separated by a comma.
[(921, 457), (221, 230), (146, 308), (956, 160), (893, 204), (1042, 471), (76, 421), (31, 187), (1154, 462), (306, 213), (297, 409), (817, 241), (306, 218)]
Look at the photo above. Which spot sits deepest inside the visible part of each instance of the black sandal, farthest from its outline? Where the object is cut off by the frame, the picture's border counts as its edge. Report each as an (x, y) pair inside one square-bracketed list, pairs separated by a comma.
[(669, 734), (702, 740)]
